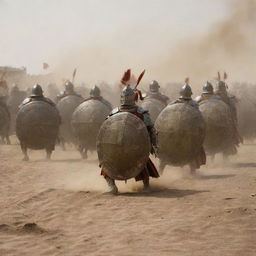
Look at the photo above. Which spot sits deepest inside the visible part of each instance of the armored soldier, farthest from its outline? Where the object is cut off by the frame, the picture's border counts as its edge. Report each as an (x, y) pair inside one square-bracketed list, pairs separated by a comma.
[(207, 93), (69, 90), (95, 94), (128, 97), (185, 97), (155, 94), (5, 120), (36, 95), (230, 100)]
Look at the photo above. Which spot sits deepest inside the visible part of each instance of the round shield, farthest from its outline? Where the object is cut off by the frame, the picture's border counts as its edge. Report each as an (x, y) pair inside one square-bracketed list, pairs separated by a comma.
[(66, 107), (123, 146), (37, 125), (181, 131), (87, 120), (217, 117), (153, 106)]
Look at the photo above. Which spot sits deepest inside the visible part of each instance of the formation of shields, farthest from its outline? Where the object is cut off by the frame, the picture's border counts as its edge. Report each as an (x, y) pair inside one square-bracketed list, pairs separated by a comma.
[(180, 132)]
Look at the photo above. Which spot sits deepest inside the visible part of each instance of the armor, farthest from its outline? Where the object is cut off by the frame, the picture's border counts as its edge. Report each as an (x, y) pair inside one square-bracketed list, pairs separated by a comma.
[(154, 86), (186, 92), (208, 88), (221, 87), (153, 106), (128, 96), (122, 154), (69, 87), (66, 107), (37, 91), (86, 122), (95, 91), (37, 126), (181, 132), (219, 131)]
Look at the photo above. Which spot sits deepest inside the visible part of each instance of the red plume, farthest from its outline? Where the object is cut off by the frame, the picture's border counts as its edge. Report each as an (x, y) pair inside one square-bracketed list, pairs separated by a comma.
[(126, 77), (225, 76), (140, 77), (138, 95), (187, 80)]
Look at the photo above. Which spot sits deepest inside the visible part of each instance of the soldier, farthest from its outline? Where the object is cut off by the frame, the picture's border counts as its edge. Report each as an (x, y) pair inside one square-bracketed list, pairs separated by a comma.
[(69, 90), (128, 98), (5, 118), (46, 121), (155, 94), (95, 94), (185, 97), (207, 93), (230, 100), (36, 95)]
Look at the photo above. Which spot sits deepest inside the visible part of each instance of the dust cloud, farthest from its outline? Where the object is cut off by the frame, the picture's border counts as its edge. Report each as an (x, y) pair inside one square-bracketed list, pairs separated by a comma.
[(228, 45)]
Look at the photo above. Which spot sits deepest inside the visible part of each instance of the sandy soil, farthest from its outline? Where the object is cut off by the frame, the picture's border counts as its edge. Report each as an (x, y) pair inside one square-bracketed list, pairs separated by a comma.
[(58, 208)]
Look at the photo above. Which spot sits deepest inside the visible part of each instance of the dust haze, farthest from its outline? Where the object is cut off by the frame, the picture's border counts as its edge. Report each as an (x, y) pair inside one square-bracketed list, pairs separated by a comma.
[(227, 45)]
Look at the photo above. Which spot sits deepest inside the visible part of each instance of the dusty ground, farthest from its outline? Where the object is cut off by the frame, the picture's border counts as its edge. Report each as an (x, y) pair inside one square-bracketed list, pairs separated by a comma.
[(58, 208)]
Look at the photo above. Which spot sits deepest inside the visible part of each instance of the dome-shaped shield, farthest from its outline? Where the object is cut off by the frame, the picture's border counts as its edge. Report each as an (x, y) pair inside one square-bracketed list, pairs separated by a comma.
[(37, 125), (123, 146), (87, 120), (217, 116), (153, 106), (181, 131), (66, 107)]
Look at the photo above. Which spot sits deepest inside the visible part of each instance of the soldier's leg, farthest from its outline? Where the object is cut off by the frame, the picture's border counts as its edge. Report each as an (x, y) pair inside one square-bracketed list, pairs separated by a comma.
[(161, 167), (146, 184), (24, 151), (8, 142), (193, 168), (111, 185), (48, 154)]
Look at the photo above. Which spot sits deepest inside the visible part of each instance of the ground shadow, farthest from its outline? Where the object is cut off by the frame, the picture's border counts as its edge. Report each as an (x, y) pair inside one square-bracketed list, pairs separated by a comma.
[(209, 177), (244, 165), (90, 161), (164, 193)]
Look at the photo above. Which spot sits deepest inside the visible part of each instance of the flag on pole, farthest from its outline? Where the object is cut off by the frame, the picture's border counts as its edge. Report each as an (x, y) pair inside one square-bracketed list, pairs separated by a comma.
[(45, 65)]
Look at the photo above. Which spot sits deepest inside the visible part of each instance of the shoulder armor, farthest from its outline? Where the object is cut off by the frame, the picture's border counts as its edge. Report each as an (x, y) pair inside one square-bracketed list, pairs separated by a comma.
[(198, 98), (114, 111), (26, 101), (142, 110)]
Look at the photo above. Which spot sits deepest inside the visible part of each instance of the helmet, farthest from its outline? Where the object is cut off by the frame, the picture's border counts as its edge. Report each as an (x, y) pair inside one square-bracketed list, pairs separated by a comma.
[(221, 87), (69, 86), (128, 96), (37, 90), (208, 88), (186, 92), (154, 86), (95, 91)]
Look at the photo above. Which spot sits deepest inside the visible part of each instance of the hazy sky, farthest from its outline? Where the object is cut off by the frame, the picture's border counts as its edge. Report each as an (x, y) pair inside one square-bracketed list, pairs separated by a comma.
[(37, 31)]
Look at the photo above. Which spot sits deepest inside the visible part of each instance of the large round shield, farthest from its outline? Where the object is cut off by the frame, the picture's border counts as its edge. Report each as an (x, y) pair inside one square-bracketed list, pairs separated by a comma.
[(37, 125), (153, 106), (4, 122), (123, 146), (66, 107), (87, 120), (217, 116), (181, 131)]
